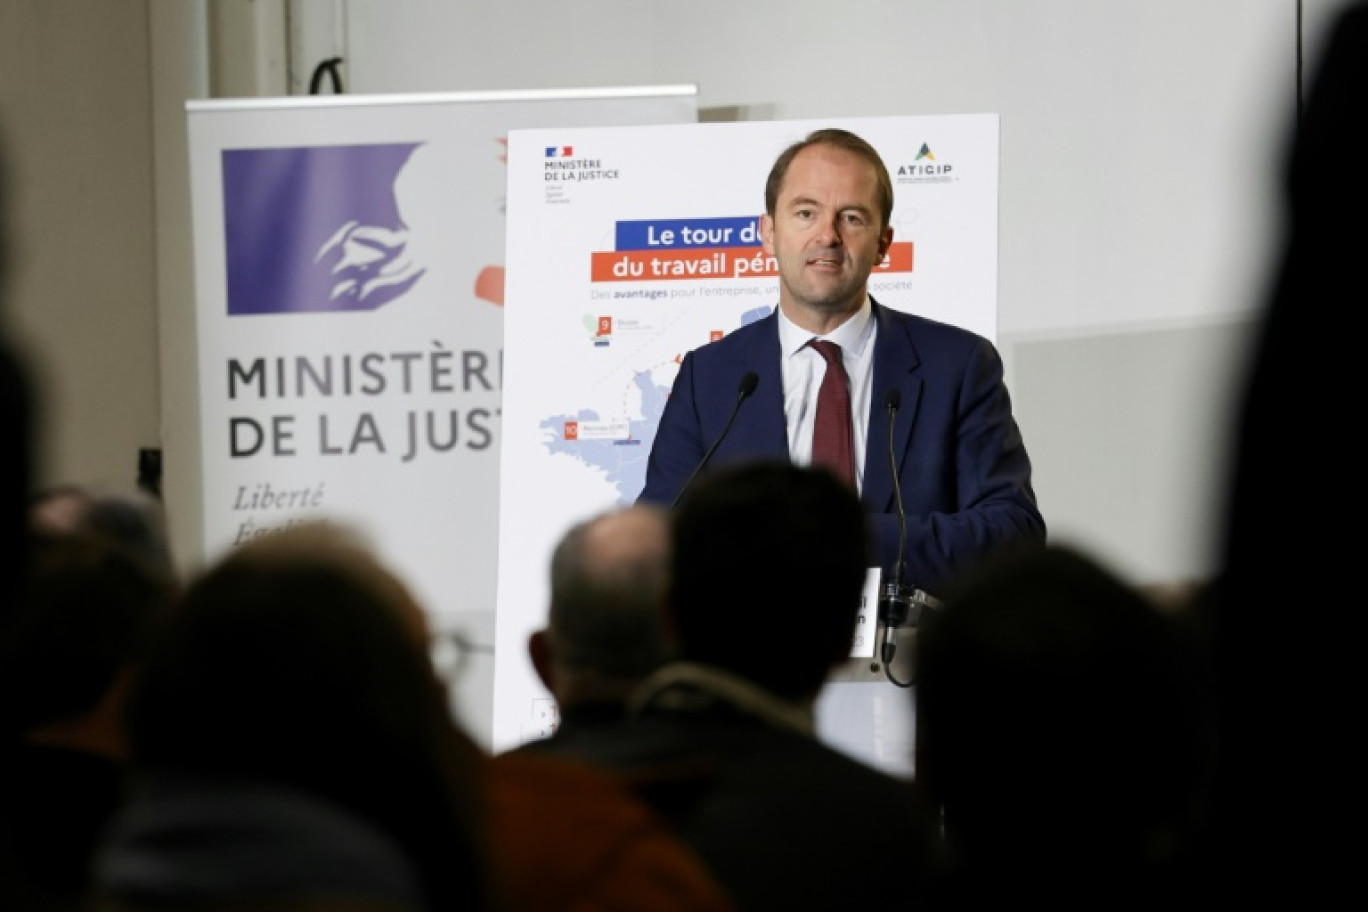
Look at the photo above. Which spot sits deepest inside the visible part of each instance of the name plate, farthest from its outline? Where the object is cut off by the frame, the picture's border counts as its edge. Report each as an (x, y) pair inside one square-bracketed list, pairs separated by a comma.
[(867, 622)]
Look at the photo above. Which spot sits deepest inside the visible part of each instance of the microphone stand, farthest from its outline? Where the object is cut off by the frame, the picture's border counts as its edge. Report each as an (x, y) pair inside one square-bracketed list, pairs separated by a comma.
[(898, 598), (747, 386)]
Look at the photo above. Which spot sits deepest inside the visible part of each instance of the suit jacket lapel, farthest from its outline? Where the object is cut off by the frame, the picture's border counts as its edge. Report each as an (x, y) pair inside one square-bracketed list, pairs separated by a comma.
[(760, 427), (895, 367)]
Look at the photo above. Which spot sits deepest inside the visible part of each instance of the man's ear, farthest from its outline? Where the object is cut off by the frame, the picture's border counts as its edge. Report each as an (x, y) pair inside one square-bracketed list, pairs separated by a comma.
[(885, 242), (539, 650), (767, 234)]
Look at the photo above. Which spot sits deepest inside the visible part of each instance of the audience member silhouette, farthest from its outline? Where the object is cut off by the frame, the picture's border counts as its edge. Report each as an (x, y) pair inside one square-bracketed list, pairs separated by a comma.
[(767, 568), (67, 655), (1290, 765), (294, 671), (1064, 729), (135, 519), (604, 633), (603, 636)]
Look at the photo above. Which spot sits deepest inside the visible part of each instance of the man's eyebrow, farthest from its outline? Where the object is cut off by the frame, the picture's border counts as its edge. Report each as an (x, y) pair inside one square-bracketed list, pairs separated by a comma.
[(799, 201)]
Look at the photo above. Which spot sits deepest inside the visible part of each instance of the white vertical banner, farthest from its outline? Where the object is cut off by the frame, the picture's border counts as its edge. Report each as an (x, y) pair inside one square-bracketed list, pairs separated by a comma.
[(628, 247), (350, 292)]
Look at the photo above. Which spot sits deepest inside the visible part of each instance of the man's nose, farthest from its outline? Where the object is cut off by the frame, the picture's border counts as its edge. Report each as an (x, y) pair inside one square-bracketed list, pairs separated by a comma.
[(829, 231)]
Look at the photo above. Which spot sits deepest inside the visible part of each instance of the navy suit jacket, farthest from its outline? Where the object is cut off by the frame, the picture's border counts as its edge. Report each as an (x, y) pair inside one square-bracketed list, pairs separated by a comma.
[(962, 465)]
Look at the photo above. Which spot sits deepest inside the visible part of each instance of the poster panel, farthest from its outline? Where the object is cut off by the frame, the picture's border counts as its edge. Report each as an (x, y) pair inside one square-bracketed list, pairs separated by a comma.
[(628, 247), (349, 301)]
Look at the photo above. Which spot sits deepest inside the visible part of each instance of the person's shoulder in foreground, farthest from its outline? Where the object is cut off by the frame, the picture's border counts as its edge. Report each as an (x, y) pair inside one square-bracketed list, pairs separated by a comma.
[(567, 836)]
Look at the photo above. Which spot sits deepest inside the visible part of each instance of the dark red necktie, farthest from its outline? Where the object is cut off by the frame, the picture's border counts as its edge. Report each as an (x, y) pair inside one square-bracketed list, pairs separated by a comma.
[(831, 438)]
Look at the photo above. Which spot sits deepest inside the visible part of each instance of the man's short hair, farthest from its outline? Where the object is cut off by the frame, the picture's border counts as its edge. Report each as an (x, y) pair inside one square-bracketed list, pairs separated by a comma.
[(767, 574), (839, 139)]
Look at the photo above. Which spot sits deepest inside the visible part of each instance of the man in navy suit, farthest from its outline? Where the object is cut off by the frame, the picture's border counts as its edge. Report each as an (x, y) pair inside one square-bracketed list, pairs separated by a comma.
[(963, 470)]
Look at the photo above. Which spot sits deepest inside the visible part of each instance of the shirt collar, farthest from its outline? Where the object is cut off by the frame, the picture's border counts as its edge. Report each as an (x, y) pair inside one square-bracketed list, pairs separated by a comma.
[(853, 335)]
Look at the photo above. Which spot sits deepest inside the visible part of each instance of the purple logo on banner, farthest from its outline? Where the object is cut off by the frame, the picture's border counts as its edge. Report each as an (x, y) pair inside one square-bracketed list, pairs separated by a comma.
[(315, 229)]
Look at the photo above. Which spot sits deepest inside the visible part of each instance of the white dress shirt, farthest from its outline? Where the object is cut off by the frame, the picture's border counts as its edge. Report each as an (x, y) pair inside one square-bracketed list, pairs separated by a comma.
[(803, 370)]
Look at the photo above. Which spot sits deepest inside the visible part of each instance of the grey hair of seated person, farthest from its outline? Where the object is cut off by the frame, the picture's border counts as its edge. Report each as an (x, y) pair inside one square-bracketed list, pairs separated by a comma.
[(607, 578)]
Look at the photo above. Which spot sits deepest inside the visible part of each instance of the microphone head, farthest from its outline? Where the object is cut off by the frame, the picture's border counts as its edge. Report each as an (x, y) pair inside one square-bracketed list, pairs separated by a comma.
[(893, 400), (748, 383)]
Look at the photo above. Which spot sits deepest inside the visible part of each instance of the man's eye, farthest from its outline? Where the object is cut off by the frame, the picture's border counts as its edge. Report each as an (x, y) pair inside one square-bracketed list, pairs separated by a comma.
[(855, 218)]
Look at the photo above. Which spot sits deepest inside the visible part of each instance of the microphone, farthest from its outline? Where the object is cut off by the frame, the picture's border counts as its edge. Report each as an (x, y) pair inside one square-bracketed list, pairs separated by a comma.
[(898, 598), (748, 384)]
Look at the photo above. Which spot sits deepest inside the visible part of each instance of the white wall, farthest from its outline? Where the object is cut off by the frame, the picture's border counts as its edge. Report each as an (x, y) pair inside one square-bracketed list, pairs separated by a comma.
[(76, 120)]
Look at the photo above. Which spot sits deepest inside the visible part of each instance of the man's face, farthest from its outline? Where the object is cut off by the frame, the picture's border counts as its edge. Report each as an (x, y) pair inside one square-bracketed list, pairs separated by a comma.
[(826, 233)]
